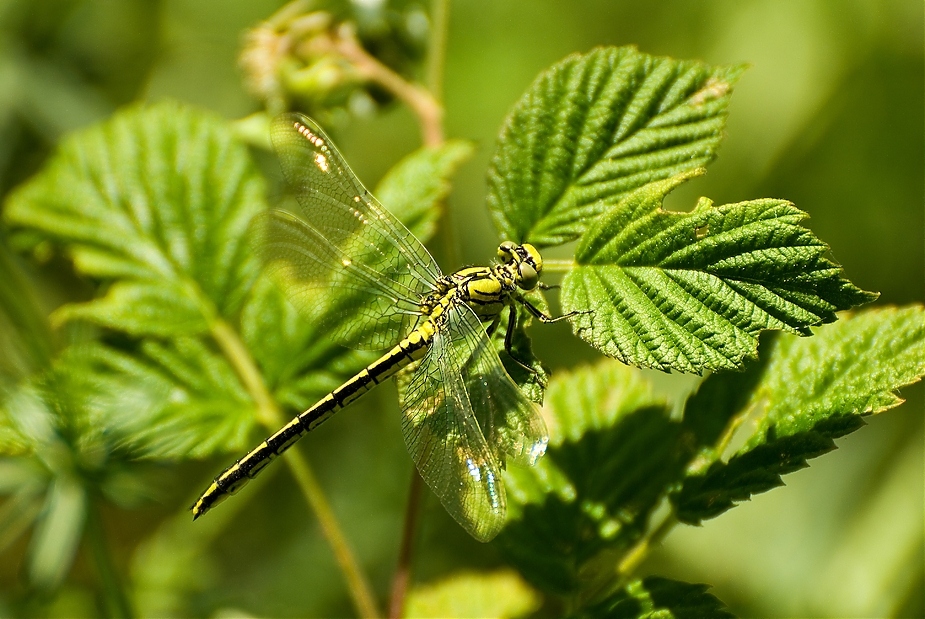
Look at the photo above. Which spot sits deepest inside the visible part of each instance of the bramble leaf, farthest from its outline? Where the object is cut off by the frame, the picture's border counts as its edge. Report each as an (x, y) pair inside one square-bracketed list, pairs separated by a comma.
[(170, 399), (612, 452), (691, 291), (414, 188), (813, 391), (595, 127), (658, 598), (497, 594), (159, 196)]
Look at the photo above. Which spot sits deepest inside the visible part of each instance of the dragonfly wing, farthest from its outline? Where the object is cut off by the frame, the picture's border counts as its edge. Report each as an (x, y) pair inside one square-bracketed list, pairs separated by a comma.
[(338, 240), (510, 421), (446, 443)]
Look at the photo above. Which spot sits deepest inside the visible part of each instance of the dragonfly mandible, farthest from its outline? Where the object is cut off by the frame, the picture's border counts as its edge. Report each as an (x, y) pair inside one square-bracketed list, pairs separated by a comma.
[(463, 417)]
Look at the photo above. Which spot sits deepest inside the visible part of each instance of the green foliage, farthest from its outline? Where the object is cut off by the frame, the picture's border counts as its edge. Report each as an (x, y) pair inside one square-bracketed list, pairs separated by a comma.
[(610, 455), (691, 291), (659, 598), (813, 391), (154, 207), (419, 182), (497, 594), (595, 127), (159, 198)]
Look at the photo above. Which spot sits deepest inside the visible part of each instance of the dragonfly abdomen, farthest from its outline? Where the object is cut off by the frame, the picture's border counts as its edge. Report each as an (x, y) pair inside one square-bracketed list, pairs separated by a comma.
[(238, 474)]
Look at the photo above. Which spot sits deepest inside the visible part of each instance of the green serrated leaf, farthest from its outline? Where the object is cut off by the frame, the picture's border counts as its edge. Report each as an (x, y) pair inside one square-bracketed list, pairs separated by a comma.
[(141, 308), (178, 399), (496, 594), (691, 291), (814, 390), (415, 187), (658, 598), (612, 451), (595, 127), (160, 195)]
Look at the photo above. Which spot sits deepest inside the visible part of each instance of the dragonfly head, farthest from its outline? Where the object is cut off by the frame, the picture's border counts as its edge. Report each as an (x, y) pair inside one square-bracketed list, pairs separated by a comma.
[(525, 262)]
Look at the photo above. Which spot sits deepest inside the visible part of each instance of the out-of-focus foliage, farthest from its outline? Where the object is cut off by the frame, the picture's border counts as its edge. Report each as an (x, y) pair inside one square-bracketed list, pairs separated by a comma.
[(828, 117)]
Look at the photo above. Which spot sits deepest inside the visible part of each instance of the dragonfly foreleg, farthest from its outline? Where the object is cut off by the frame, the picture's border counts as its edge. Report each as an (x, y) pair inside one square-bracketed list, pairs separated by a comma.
[(541, 316)]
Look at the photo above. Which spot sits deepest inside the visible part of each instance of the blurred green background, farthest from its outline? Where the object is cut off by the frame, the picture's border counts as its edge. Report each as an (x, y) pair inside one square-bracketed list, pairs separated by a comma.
[(830, 116)]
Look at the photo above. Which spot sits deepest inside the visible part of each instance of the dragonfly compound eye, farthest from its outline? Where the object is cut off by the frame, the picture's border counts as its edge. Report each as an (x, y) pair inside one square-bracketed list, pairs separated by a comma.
[(528, 276), (506, 252)]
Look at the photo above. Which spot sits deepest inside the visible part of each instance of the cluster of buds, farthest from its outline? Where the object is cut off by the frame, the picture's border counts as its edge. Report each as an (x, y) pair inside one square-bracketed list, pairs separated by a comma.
[(306, 59)]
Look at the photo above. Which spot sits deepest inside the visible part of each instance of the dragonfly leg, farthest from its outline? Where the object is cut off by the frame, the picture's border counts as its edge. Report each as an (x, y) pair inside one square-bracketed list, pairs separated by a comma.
[(509, 339), (543, 317)]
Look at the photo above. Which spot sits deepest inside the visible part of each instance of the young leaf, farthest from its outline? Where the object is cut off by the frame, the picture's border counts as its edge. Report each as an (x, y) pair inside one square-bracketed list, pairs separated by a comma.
[(691, 291), (497, 594), (159, 195), (415, 186), (814, 390), (612, 452), (661, 598), (595, 127)]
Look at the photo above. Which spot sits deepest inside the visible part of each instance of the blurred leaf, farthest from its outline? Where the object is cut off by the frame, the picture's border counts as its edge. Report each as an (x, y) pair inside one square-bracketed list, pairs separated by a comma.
[(495, 594), (691, 291), (141, 308), (54, 544), (25, 337), (595, 127), (414, 189), (658, 598), (160, 195), (814, 390), (612, 452), (299, 361), (176, 399)]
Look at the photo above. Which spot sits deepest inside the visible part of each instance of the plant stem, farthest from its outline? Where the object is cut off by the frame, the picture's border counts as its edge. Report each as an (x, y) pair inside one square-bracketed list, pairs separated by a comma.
[(270, 417), (419, 99), (402, 574), (436, 49), (637, 554), (113, 592), (359, 588), (558, 266)]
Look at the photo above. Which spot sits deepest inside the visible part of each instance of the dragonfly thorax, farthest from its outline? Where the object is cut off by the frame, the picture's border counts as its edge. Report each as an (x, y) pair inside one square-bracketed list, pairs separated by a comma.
[(488, 289)]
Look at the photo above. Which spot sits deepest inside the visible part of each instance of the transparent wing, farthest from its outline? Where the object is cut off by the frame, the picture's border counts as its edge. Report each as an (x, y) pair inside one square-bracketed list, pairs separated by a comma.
[(447, 438), (339, 255)]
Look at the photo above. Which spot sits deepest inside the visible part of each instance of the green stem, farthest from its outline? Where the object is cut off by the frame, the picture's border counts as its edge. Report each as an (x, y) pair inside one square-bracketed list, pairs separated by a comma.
[(270, 417), (558, 266), (436, 49), (637, 554), (362, 595), (116, 598)]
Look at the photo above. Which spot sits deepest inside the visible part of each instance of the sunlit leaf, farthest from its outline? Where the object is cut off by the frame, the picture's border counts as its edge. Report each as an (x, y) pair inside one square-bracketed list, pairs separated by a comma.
[(496, 594), (691, 291), (813, 391), (161, 196), (593, 128)]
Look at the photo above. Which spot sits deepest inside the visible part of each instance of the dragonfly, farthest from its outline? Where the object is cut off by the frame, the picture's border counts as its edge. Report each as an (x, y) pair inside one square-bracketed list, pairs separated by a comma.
[(463, 417)]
